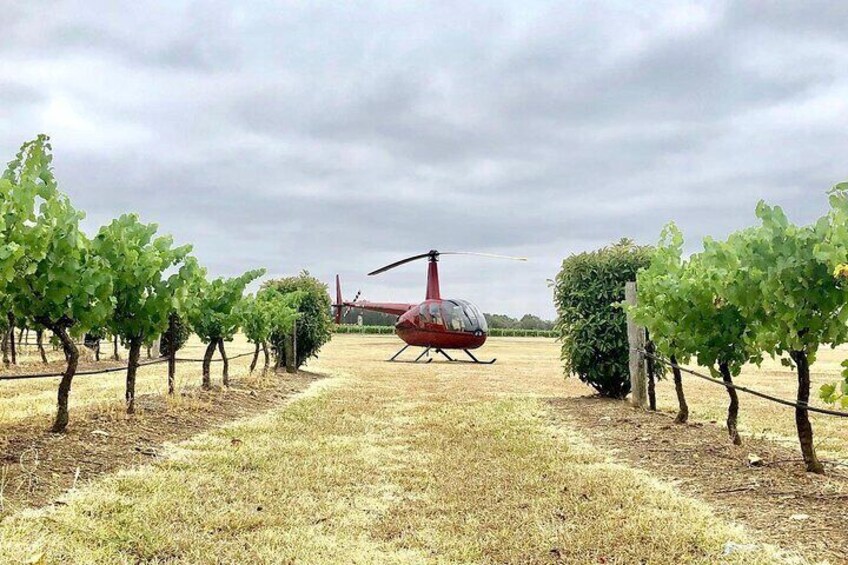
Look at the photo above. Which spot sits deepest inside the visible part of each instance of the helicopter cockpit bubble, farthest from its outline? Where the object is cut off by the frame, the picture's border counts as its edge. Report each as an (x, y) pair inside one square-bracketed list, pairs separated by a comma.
[(472, 319)]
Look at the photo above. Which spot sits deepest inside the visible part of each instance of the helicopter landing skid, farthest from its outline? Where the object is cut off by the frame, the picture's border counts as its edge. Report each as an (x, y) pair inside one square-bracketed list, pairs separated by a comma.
[(474, 360), (394, 358)]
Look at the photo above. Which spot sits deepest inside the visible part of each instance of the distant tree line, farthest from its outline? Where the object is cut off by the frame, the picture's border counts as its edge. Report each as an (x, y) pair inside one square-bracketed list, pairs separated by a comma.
[(368, 318), (527, 322)]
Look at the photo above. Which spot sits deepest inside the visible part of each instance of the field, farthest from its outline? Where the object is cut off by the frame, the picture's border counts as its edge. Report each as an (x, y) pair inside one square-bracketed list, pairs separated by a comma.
[(402, 463)]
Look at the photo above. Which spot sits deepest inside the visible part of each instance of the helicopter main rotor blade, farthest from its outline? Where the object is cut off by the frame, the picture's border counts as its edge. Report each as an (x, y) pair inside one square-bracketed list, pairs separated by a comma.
[(490, 255), (434, 253), (399, 263)]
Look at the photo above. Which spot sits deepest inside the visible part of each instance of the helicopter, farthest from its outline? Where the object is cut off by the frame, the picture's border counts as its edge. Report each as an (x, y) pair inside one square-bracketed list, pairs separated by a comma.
[(437, 324)]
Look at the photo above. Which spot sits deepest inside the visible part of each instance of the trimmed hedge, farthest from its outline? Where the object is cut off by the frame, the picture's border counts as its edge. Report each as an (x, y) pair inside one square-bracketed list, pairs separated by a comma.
[(592, 325), (315, 325)]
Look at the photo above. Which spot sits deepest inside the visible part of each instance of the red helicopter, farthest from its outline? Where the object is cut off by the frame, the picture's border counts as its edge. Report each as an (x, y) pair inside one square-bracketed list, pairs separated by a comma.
[(437, 323)]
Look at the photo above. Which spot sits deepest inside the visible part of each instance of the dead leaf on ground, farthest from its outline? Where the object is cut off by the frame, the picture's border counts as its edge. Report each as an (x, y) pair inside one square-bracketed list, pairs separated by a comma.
[(755, 460)]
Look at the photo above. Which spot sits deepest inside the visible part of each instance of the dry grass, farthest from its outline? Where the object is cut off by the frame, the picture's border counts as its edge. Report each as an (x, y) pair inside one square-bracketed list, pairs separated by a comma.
[(387, 463), (539, 375)]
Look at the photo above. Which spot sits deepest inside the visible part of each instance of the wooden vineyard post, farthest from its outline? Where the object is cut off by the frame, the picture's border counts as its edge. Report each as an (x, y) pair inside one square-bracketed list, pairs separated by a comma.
[(291, 353), (636, 342)]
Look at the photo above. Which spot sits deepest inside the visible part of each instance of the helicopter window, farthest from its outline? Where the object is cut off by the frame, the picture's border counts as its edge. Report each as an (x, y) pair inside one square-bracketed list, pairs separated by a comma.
[(422, 315), (454, 316), (436, 314), (474, 320), (458, 319)]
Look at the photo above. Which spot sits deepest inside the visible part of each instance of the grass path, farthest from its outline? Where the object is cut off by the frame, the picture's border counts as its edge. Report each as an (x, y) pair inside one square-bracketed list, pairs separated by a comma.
[(384, 464)]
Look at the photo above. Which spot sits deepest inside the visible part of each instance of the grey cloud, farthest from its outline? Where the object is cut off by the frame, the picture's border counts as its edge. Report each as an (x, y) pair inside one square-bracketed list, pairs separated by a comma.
[(338, 137), (793, 18), (13, 93)]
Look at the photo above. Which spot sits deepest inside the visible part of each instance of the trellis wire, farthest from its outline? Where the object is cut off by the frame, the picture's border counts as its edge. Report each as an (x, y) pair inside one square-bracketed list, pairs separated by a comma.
[(744, 389), (113, 369)]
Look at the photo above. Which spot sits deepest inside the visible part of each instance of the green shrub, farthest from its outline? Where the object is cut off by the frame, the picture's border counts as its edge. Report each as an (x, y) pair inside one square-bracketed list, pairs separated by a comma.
[(592, 325), (314, 325)]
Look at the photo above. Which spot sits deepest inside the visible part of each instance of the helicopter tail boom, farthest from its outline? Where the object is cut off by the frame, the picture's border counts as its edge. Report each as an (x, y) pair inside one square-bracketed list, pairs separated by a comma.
[(342, 306)]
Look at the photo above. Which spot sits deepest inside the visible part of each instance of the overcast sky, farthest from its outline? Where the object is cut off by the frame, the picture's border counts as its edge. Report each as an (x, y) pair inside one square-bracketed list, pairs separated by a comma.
[(339, 136)]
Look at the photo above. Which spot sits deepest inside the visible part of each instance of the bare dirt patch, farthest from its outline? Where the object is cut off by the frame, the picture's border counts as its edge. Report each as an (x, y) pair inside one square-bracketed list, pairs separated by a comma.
[(774, 497), (37, 466)]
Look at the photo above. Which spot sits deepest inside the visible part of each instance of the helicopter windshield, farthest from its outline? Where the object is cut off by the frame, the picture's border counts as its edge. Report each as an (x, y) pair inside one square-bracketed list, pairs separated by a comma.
[(461, 315)]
